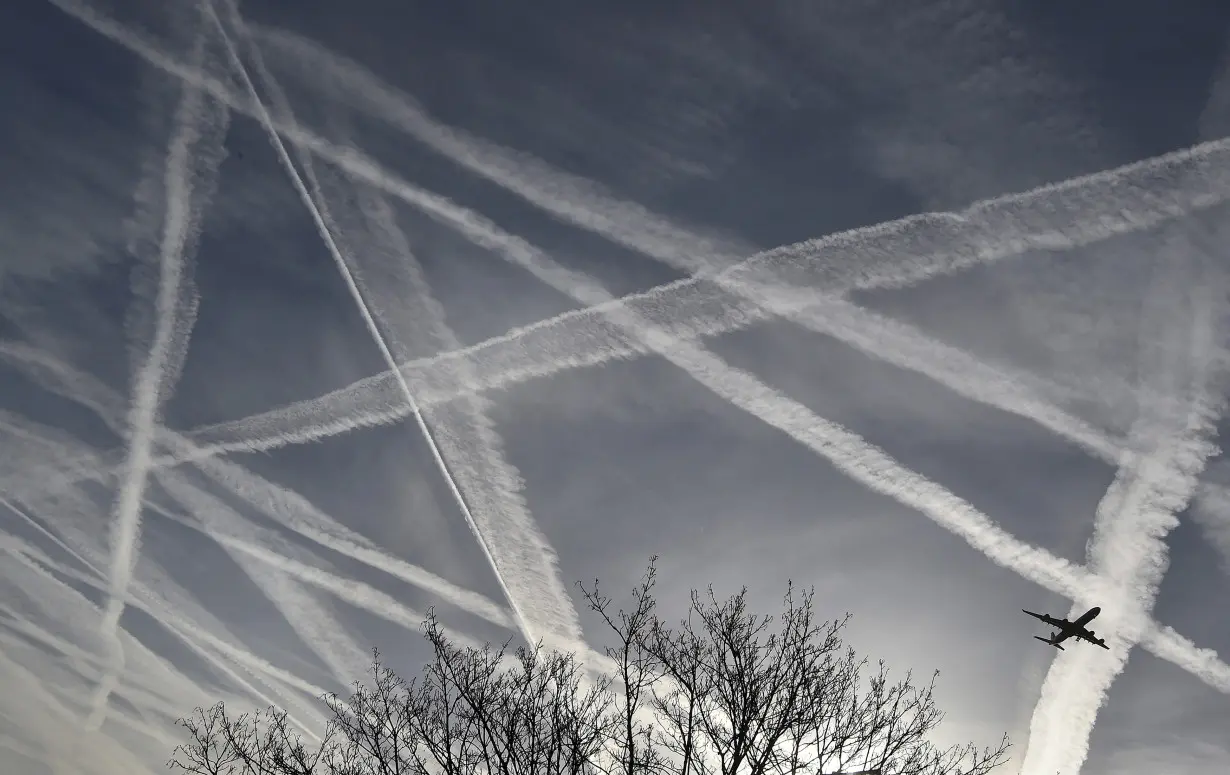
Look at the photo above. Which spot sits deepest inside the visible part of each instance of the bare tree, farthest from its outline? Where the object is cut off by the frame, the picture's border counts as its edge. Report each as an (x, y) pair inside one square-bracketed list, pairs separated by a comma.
[(725, 692), (731, 692)]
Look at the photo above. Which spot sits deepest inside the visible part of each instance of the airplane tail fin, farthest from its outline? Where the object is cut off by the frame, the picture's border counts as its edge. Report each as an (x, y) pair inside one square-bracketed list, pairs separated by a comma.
[(1049, 642)]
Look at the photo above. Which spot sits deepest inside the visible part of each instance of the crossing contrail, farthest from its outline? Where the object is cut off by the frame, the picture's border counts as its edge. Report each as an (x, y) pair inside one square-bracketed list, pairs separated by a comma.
[(1051, 225), (393, 281), (327, 236), (846, 451), (1182, 326), (312, 620), (1171, 441), (284, 506), (210, 640), (1109, 223), (888, 255), (30, 690), (189, 177), (228, 528), (585, 204)]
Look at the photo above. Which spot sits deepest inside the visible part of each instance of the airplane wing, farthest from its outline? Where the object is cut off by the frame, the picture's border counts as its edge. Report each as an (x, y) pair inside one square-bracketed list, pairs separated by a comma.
[(1052, 621), (1090, 637)]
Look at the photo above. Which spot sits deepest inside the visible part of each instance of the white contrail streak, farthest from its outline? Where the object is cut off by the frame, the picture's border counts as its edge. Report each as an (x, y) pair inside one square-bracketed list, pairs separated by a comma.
[(573, 199), (201, 639), (60, 681), (33, 642), (68, 608), (849, 453), (1051, 235), (242, 539), (1171, 441), (34, 696), (990, 229), (311, 619), (276, 140), (284, 506), (164, 600), (583, 203), (398, 294), (161, 676), (356, 593), (1212, 512), (143, 696), (1112, 221), (247, 542), (1005, 226), (1085, 210), (192, 161), (26, 592)]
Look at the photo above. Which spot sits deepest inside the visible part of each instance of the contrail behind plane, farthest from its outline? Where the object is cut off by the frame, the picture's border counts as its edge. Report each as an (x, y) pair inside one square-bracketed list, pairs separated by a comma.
[(1170, 443)]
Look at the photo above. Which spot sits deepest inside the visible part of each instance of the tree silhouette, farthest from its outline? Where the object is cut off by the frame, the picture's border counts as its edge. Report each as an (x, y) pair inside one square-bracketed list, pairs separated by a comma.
[(725, 692)]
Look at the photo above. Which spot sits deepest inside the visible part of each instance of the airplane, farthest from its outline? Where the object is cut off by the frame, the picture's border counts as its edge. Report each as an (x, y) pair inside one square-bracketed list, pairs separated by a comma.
[(1069, 629)]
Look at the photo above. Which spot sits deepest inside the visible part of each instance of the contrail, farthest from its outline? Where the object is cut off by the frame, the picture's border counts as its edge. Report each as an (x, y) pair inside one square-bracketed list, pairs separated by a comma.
[(60, 680), (1036, 219), (284, 506), (40, 588), (243, 539), (1166, 642), (58, 704), (888, 255), (143, 697), (358, 594), (377, 337), (1128, 548), (200, 639), (400, 297), (847, 451), (146, 662), (165, 601), (27, 590), (244, 542), (1049, 222), (37, 640), (311, 619), (576, 200), (584, 203), (192, 161), (29, 688), (1169, 445), (1212, 511)]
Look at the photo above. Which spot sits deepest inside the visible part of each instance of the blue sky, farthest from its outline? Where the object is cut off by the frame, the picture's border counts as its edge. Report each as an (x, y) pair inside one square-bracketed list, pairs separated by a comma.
[(208, 471)]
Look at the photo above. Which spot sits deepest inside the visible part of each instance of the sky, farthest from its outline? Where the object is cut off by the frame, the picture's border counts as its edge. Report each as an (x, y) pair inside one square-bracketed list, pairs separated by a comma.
[(923, 304)]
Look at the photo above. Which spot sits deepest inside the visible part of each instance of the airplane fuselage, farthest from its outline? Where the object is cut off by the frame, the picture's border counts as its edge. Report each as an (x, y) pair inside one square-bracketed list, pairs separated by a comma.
[(1086, 617), (1074, 629)]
